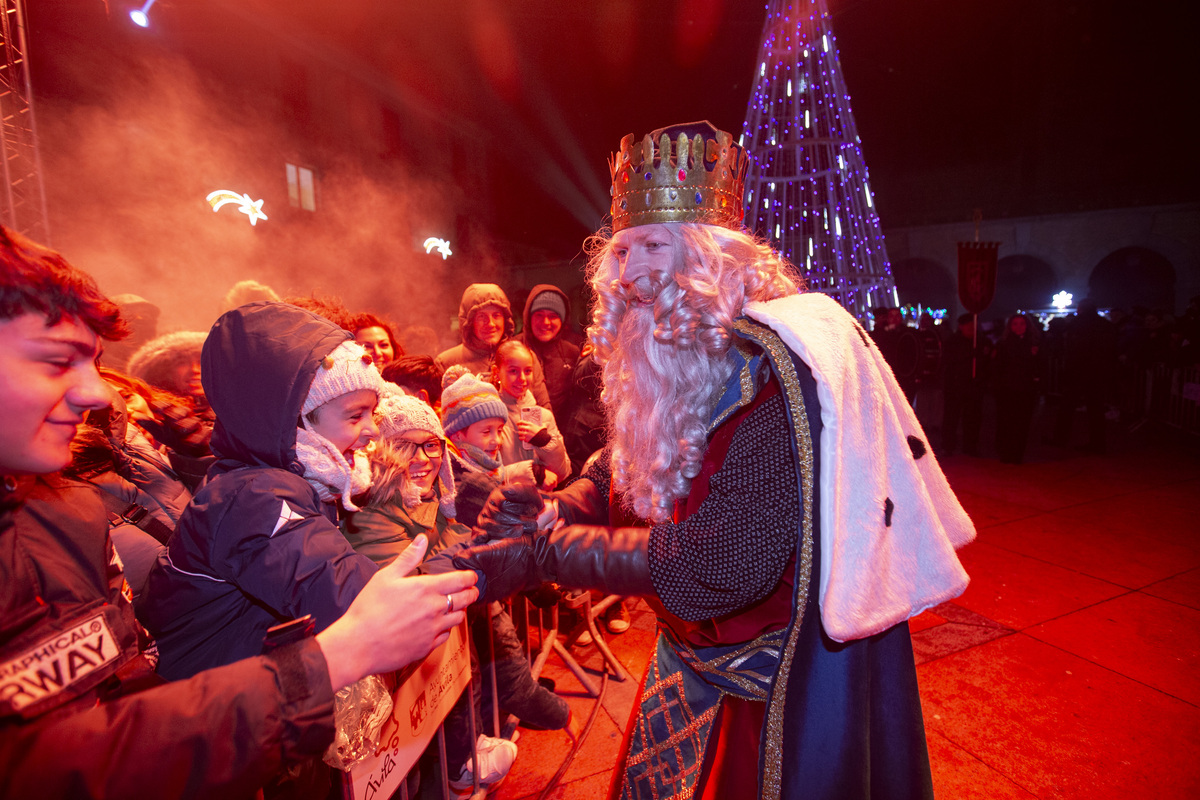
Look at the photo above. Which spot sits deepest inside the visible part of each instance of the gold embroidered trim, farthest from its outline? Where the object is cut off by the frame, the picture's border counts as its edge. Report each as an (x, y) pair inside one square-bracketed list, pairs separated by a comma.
[(781, 359), (726, 664), (747, 383)]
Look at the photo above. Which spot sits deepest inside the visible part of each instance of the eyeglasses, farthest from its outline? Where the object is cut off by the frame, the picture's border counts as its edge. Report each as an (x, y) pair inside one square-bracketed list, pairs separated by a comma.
[(432, 448)]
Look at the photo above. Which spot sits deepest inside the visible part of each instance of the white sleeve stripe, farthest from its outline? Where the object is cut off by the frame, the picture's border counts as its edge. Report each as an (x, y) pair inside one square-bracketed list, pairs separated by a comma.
[(171, 564)]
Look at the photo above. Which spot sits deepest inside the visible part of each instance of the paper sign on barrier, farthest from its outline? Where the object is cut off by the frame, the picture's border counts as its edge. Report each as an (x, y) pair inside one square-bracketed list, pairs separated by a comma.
[(419, 704)]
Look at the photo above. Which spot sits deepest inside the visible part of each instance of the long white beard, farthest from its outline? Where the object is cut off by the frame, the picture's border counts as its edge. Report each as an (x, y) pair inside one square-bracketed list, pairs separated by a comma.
[(659, 398)]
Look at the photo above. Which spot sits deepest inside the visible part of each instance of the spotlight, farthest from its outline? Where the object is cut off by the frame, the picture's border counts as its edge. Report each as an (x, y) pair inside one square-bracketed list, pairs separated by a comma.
[(141, 16)]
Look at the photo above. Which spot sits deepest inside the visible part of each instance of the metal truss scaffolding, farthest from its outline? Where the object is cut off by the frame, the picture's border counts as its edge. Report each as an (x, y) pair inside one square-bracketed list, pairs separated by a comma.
[(23, 202)]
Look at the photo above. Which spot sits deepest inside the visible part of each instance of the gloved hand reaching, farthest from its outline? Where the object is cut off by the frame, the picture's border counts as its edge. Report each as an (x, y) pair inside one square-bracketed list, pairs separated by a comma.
[(511, 510), (613, 560)]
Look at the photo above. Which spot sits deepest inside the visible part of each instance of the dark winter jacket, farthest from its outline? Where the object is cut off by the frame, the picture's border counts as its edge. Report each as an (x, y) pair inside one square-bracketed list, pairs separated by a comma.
[(109, 445), (257, 546), (385, 528), (582, 424), (72, 722), (558, 356), (1017, 368), (474, 354), (143, 496)]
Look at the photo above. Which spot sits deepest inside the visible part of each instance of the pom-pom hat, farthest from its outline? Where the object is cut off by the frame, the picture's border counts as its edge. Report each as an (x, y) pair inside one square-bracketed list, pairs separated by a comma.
[(346, 369), (399, 414), (468, 400)]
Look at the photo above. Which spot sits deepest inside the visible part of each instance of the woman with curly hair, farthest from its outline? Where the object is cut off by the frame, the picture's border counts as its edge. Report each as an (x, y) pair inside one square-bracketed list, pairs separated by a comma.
[(376, 337)]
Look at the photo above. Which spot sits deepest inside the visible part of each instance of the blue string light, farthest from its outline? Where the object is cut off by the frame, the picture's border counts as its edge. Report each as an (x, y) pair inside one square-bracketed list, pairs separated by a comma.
[(806, 155)]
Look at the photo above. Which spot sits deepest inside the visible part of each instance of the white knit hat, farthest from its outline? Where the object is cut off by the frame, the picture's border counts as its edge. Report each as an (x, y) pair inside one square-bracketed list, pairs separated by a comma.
[(399, 414), (347, 369)]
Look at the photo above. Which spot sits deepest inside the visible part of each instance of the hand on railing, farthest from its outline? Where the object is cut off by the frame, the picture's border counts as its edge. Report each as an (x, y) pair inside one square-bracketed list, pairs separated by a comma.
[(396, 619)]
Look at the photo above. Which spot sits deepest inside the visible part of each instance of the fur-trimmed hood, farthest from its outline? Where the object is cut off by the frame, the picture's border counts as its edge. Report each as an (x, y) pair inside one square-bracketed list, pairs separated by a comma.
[(389, 480)]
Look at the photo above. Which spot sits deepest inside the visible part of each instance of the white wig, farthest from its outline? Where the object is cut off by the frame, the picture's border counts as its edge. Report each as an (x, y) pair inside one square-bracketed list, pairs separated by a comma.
[(665, 366)]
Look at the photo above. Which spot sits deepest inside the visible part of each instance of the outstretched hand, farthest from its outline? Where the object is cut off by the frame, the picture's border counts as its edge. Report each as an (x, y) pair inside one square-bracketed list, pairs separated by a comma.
[(507, 565), (511, 510), (397, 618)]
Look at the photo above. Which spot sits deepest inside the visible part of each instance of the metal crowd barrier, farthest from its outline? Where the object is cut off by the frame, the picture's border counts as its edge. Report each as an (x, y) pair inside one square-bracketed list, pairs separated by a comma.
[(542, 639), (1161, 394), (376, 779)]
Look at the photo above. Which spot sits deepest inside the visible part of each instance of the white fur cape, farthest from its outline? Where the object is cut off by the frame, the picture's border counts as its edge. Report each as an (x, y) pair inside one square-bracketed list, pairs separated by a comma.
[(873, 575)]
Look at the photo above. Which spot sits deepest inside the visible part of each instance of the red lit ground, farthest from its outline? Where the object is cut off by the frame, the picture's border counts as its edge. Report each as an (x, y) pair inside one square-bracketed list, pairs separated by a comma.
[(1070, 668)]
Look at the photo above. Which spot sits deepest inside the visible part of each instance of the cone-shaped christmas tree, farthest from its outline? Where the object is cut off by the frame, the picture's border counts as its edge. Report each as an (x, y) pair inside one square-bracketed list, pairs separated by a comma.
[(807, 191)]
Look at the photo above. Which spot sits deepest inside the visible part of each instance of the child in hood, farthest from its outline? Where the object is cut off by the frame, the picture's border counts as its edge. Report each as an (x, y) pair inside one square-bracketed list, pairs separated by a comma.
[(259, 544)]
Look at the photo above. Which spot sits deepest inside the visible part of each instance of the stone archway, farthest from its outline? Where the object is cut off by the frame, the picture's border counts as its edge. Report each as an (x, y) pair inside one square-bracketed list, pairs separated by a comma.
[(1133, 276), (1023, 282), (925, 281)]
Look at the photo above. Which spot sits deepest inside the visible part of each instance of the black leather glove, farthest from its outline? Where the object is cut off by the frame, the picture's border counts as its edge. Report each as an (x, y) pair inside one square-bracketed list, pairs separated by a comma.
[(613, 560), (581, 502), (511, 510), (504, 566)]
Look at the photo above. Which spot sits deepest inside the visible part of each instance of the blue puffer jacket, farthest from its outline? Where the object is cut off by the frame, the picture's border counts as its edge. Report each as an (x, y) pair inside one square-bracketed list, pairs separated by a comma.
[(256, 546)]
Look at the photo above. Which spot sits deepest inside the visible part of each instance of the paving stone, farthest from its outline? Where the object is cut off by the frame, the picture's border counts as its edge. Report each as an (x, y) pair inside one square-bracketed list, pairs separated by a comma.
[(1129, 557), (1059, 726), (961, 629), (1183, 588), (1146, 638), (959, 775), (1018, 591)]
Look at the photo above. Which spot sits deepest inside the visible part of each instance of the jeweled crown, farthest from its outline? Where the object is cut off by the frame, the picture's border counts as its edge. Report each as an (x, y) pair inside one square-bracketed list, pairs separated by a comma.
[(695, 174)]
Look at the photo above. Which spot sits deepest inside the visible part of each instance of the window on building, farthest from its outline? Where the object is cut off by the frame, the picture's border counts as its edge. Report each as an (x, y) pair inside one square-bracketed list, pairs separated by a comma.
[(302, 192)]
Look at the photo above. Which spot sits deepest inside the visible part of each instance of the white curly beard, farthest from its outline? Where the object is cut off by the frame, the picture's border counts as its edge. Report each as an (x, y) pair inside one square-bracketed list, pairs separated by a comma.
[(659, 398)]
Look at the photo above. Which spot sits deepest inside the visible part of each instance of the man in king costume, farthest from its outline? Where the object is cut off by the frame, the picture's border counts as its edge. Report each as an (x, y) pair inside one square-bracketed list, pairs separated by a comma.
[(767, 489)]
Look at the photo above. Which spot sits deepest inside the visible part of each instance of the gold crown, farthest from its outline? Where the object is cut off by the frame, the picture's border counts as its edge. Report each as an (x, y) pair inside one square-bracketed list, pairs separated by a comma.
[(700, 177)]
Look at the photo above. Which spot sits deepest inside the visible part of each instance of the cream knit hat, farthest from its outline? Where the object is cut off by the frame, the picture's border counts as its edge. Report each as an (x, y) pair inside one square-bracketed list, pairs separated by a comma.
[(399, 414), (347, 369)]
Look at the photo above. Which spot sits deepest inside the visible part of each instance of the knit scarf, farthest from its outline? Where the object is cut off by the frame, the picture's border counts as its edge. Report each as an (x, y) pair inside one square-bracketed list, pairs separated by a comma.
[(479, 456), (327, 470)]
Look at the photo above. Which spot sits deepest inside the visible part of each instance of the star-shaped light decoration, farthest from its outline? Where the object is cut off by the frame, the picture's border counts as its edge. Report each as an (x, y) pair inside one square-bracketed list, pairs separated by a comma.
[(1062, 300), (251, 208), (441, 245)]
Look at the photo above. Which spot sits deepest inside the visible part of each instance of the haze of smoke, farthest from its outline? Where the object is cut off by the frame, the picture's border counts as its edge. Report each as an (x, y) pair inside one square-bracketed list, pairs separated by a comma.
[(127, 178)]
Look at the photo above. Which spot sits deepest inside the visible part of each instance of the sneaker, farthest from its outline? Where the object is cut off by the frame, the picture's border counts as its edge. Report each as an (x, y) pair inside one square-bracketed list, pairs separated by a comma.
[(495, 756), (583, 639), (617, 618)]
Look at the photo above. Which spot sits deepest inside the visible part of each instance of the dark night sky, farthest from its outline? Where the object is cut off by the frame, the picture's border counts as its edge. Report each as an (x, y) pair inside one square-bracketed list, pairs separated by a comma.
[(1018, 107)]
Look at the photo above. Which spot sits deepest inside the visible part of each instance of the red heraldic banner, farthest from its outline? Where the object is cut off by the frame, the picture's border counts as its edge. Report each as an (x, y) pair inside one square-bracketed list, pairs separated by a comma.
[(977, 274)]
